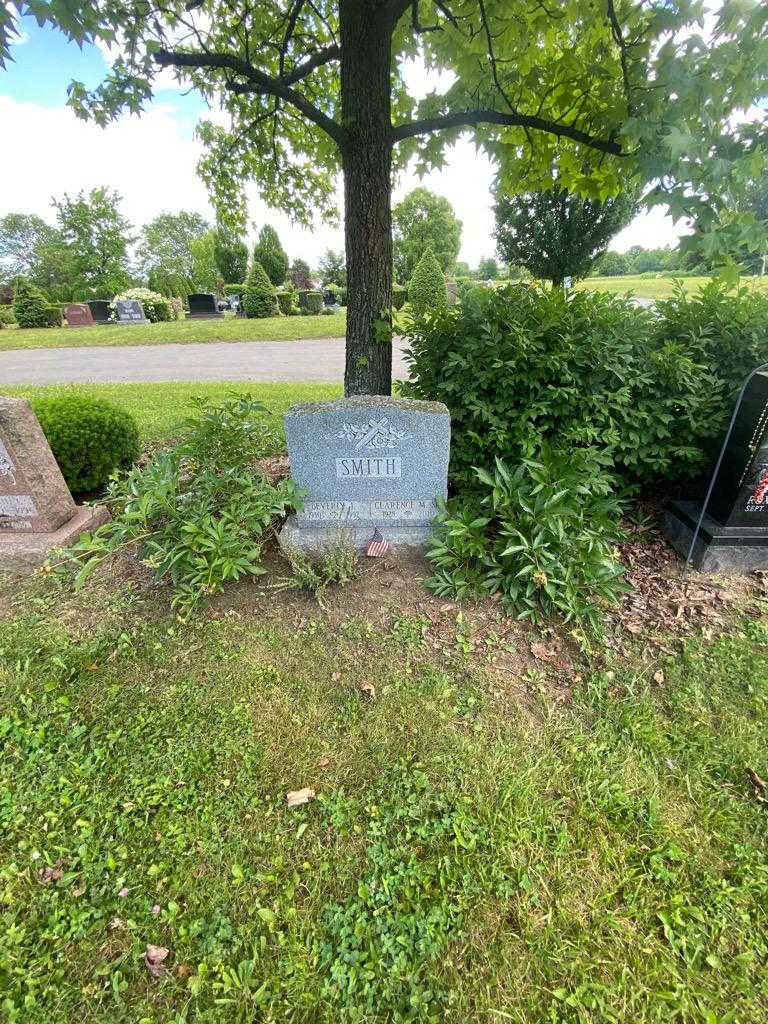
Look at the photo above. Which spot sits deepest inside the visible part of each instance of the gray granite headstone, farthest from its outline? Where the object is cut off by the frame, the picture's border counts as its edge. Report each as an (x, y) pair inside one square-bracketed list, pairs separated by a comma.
[(130, 311), (365, 463)]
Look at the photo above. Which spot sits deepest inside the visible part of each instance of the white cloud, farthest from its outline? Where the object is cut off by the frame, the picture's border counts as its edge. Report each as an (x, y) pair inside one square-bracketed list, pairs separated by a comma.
[(151, 161)]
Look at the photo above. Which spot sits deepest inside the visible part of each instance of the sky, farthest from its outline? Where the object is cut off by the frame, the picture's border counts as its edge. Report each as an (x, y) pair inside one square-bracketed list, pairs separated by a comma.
[(151, 160)]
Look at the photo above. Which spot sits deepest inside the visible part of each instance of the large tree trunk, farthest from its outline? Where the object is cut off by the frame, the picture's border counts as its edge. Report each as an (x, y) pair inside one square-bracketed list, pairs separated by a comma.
[(366, 33)]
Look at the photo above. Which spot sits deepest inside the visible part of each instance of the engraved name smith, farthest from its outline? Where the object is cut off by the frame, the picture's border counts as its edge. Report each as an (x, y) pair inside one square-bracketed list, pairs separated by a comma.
[(370, 468)]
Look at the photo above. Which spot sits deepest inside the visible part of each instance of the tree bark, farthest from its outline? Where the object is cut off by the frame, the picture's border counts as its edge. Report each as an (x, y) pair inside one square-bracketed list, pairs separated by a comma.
[(366, 32)]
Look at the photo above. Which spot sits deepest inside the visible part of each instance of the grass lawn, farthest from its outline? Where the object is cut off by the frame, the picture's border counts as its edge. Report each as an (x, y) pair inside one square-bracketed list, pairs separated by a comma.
[(656, 287), (486, 843), (185, 332), (158, 408)]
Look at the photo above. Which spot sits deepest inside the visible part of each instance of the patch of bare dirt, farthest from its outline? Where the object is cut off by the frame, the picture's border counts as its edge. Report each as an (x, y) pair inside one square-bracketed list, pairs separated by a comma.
[(665, 605)]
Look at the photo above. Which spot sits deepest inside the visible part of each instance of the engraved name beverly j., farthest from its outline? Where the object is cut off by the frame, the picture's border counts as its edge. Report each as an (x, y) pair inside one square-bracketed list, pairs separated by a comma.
[(371, 435)]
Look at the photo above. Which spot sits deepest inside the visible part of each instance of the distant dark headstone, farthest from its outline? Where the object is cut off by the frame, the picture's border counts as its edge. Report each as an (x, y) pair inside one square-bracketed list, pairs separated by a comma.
[(130, 311), (78, 314), (734, 530), (100, 310), (203, 305), (329, 297)]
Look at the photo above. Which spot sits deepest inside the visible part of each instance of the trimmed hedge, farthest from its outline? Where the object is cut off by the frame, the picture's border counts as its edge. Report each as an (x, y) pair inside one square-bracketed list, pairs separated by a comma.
[(90, 439), (310, 302), (287, 301), (259, 297), (426, 291)]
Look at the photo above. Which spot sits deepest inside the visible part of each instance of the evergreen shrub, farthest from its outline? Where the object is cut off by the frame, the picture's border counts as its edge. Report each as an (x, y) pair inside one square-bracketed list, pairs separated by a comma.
[(90, 439)]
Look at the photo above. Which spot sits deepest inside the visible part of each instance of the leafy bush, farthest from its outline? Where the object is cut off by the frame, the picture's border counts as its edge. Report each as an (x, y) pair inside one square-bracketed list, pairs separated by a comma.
[(259, 298), (587, 369), (31, 308), (157, 308), (287, 301), (426, 290), (89, 437), (310, 302), (200, 511), (7, 316), (399, 296), (723, 329), (540, 536)]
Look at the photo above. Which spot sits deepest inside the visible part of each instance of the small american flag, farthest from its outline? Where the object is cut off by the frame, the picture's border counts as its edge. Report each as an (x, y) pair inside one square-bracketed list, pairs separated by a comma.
[(377, 546)]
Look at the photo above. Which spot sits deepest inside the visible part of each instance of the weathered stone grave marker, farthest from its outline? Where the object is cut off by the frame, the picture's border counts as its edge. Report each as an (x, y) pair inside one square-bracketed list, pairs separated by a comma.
[(734, 530), (99, 310), (37, 512), (203, 306), (78, 314), (130, 311), (363, 463)]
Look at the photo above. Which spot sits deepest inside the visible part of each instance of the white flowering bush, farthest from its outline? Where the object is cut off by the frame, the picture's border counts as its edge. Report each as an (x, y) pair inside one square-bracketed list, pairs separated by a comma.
[(156, 307)]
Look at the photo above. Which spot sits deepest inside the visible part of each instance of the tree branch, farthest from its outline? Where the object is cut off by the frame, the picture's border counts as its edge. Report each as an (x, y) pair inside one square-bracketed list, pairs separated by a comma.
[(260, 83), (467, 118)]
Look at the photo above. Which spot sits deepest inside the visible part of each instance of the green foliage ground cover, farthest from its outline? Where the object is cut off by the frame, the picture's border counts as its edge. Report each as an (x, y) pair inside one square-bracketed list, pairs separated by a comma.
[(477, 850), (184, 332)]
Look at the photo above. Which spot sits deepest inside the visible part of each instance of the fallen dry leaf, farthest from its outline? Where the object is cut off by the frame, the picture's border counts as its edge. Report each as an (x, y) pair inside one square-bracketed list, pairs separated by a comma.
[(323, 762), (543, 653), (336, 677), (47, 875), (153, 958), (299, 797), (759, 785), (658, 677), (368, 690)]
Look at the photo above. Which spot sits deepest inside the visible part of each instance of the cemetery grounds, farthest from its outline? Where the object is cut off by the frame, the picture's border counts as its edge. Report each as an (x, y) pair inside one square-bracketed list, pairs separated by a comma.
[(504, 825)]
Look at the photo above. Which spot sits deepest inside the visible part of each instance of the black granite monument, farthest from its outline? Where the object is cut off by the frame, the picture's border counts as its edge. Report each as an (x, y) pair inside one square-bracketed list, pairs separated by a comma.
[(203, 306), (734, 529), (99, 310)]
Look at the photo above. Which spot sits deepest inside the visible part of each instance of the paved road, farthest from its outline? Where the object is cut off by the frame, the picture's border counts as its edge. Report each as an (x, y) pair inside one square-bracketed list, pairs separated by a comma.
[(262, 361)]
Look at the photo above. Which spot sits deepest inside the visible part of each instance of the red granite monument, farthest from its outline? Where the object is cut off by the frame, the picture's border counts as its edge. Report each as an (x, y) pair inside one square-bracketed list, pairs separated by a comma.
[(37, 512)]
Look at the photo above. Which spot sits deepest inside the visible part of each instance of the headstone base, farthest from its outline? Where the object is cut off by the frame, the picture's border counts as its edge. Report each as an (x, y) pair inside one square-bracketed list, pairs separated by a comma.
[(205, 316), (718, 548), (24, 552), (313, 538)]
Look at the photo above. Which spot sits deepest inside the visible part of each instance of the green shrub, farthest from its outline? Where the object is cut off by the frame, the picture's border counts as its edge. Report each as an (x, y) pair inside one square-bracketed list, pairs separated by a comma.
[(90, 438), (157, 308), (426, 290), (582, 370), (286, 299), (310, 302), (199, 511), (399, 296), (541, 536), (30, 306), (259, 299), (52, 316), (724, 329), (7, 316)]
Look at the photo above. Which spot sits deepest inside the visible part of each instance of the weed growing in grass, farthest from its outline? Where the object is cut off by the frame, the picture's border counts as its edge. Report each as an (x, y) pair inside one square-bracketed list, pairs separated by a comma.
[(336, 564)]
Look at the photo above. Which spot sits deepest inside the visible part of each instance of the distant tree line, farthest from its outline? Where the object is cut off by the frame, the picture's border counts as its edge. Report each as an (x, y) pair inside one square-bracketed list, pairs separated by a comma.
[(92, 251)]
